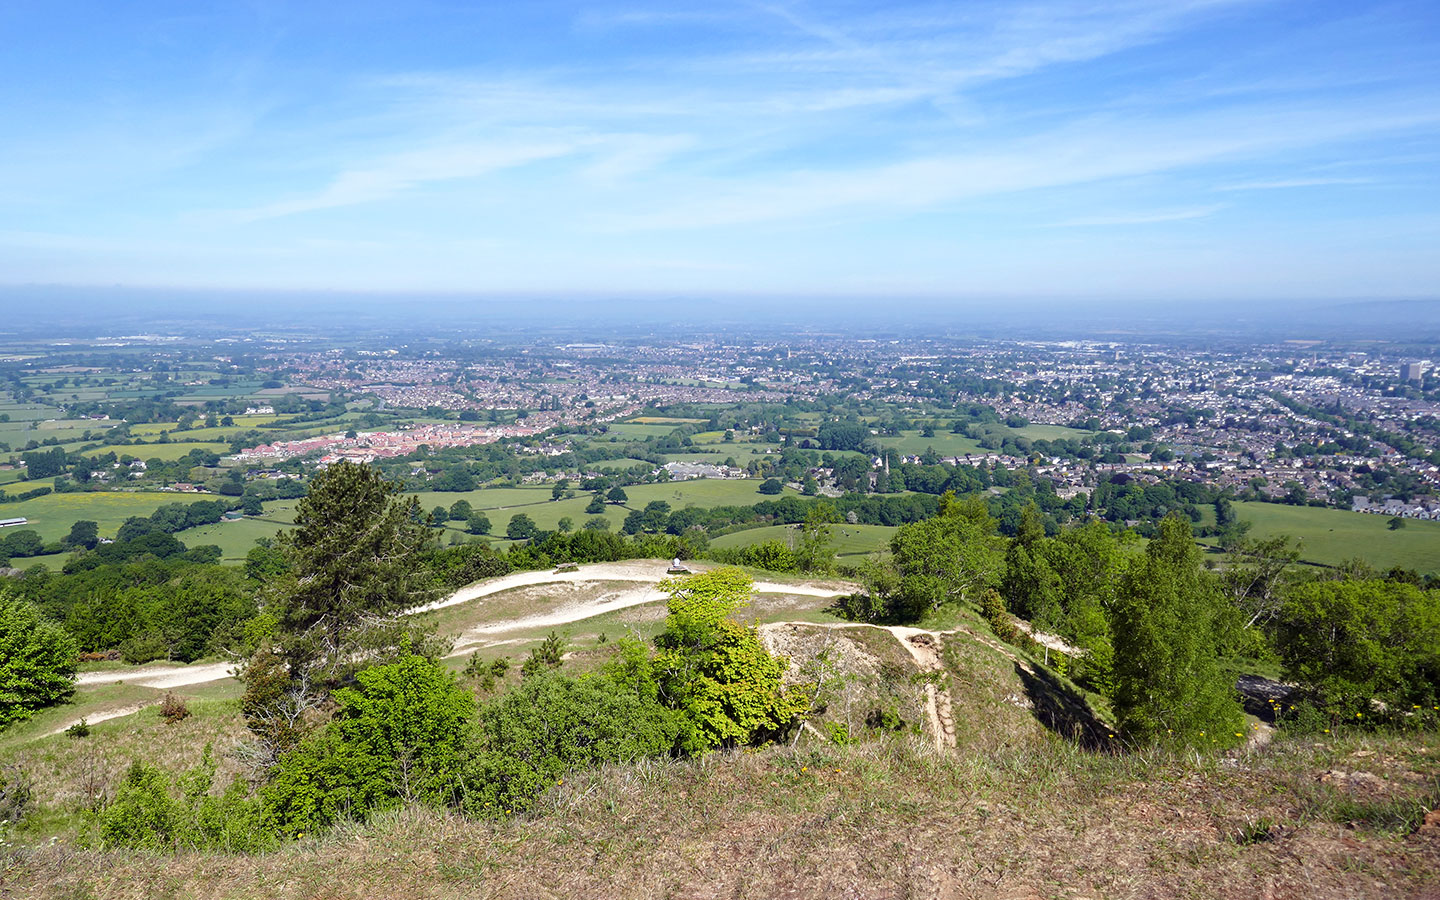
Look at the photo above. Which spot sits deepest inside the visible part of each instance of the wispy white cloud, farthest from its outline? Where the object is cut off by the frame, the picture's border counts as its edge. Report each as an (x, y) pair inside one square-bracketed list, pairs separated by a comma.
[(1151, 217), (1079, 153), (384, 178), (1280, 183)]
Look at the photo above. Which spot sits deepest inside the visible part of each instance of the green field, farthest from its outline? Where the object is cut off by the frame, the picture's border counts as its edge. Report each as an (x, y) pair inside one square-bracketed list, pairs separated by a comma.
[(234, 538), (53, 514), (1331, 536), (613, 465), (639, 432), (847, 540), (704, 493), (1051, 432), (166, 452), (487, 498), (910, 443)]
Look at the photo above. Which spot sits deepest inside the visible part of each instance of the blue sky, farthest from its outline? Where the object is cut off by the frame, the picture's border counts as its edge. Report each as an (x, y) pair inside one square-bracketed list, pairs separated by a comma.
[(1134, 150)]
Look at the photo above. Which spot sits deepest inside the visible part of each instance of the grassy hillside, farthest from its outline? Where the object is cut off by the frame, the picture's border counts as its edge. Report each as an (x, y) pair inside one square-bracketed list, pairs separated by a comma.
[(1014, 812)]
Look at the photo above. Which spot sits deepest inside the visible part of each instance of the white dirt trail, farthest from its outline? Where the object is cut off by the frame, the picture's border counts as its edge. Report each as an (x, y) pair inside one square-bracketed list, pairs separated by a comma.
[(96, 718), (161, 677), (608, 602), (644, 574)]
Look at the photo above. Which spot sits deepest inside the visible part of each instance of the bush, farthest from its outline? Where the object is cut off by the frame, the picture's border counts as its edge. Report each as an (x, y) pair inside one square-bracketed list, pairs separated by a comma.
[(37, 661), (548, 655), (325, 780), (173, 709), (716, 671), (80, 729), (399, 735), (1356, 642), (772, 555), (551, 724), (147, 814), (487, 674), (1169, 625), (992, 606), (142, 648)]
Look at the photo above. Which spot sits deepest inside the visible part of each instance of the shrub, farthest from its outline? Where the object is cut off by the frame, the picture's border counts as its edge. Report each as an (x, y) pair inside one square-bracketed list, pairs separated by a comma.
[(413, 714), (79, 730), (1168, 627), (142, 648), (992, 606), (715, 671), (173, 709), (37, 661), (548, 655), (552, 724), (1354, 642), (148, 814), (772, 555), (487, 674), (325, 780), (399, 735)]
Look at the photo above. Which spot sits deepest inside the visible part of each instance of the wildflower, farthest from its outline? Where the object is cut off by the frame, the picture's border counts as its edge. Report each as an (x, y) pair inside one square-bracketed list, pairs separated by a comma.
[(1239, 734)]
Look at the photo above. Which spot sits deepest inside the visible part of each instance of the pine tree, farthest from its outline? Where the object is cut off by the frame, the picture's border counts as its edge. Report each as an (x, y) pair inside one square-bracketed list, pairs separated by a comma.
[(353, 573)]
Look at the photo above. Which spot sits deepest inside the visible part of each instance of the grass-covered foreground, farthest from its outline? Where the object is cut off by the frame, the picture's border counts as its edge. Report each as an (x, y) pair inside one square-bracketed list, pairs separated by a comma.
[(1036, 818)]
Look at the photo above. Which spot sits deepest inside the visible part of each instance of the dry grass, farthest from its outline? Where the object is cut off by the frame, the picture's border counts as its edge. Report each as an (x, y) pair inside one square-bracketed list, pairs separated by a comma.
[(890, 819)]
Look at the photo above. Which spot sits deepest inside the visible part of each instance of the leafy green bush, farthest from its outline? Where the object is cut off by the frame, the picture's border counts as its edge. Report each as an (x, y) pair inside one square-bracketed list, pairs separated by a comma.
[(548, 655), (149, 813), (37, 661), (771, 555), (325, 780), (1353, 643), (399, 735), (551, 724), (715, 671), (1168, 622)]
